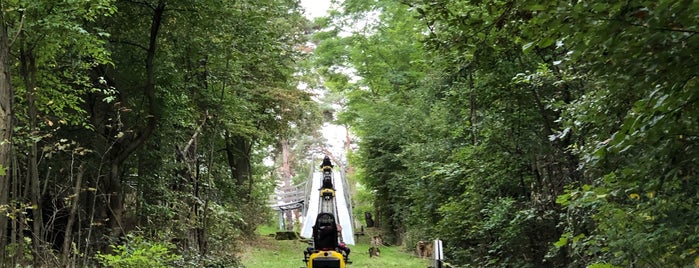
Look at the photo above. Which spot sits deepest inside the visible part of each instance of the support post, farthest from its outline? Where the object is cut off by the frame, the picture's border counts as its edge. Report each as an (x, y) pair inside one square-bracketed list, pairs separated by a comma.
[(438, 254), (281, 219)]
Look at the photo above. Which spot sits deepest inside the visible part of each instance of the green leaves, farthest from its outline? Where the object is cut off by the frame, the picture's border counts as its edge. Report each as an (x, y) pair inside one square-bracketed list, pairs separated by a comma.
[(96, 72), (139, 252), (585, 110)]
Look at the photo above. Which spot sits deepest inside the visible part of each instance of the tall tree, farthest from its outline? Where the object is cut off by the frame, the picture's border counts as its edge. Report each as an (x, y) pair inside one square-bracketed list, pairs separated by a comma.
[(128, 115), (6, 100), (522, 100), (53, 53)]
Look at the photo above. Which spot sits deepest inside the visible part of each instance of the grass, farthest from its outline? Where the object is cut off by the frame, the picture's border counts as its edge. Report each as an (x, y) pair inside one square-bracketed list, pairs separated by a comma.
[(266, 252)]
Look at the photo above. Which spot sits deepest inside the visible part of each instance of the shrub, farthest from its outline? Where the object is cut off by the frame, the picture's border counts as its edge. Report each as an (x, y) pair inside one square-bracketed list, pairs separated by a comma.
[(138, 252)]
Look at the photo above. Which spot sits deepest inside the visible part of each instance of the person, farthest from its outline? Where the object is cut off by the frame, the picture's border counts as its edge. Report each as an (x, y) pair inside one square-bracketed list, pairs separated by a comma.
[(344, 249), (325, 232), (326, 162)]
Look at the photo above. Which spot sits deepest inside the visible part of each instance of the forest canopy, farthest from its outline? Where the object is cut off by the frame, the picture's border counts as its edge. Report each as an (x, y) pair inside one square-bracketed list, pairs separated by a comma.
[(141, 126), (525, 133), (521, 133)]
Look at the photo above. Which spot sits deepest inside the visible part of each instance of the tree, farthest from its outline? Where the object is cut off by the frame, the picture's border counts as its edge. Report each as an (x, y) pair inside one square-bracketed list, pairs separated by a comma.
[(636, 58), (46, 39), (125, 110), (521, 101), (6, 101)]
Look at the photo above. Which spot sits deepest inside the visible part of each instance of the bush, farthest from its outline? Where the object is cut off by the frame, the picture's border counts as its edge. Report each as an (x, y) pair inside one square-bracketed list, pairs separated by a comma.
[(138, 252)]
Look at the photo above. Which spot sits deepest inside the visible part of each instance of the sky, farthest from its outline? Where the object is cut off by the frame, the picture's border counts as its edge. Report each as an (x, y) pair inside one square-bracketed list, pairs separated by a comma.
[(315, 8)]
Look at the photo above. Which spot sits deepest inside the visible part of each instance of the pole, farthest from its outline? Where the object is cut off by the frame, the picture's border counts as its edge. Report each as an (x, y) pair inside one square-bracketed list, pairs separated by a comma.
[(438, 254), (281, 219)]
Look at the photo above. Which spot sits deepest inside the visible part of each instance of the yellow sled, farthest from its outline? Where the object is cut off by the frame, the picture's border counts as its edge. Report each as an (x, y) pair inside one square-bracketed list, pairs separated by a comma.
[(326, 259)]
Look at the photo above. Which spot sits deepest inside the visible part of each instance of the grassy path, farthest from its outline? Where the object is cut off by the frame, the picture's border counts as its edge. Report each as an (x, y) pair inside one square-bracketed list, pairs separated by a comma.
[(266, 252)]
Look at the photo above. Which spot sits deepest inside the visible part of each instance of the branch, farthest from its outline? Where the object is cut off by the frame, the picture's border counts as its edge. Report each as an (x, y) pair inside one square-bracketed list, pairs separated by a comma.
[(673, 29), (149, 89), (19, 29), (196, 133), (129, 43)]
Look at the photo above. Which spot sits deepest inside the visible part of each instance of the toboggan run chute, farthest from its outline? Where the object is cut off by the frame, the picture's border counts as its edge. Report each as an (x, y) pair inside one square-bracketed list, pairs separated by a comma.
[(328, 249)]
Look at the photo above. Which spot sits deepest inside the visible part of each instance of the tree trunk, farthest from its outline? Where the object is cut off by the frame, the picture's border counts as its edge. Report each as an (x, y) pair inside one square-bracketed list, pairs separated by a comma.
[(238, 154), (191, 173), (28, 73), (6, 99), (15, 230), (286, 178), (115, 205), (473, 109), (131, 143), (71, 219)]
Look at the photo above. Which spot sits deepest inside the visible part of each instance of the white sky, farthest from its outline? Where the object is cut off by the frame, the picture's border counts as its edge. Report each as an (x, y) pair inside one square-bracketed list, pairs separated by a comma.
[(315, 8)]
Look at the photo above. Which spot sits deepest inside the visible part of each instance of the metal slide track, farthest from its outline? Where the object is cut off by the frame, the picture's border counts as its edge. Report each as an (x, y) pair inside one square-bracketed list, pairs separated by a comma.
[(313, 203), (337, 205)]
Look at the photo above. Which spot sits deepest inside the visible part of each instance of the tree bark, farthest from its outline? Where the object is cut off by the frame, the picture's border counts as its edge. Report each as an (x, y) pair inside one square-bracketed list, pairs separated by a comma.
[(71, 218), (473, 111), (28, 73), (191, 173), (286, 177), (238, 154), (6, 101)]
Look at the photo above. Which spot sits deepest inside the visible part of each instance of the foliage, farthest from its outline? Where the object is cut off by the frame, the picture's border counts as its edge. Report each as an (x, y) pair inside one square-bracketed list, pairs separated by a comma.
[(173, 105), (525, 133), (20, 249), (62, 50), (631, 159), (139, 252), (522, 133)]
